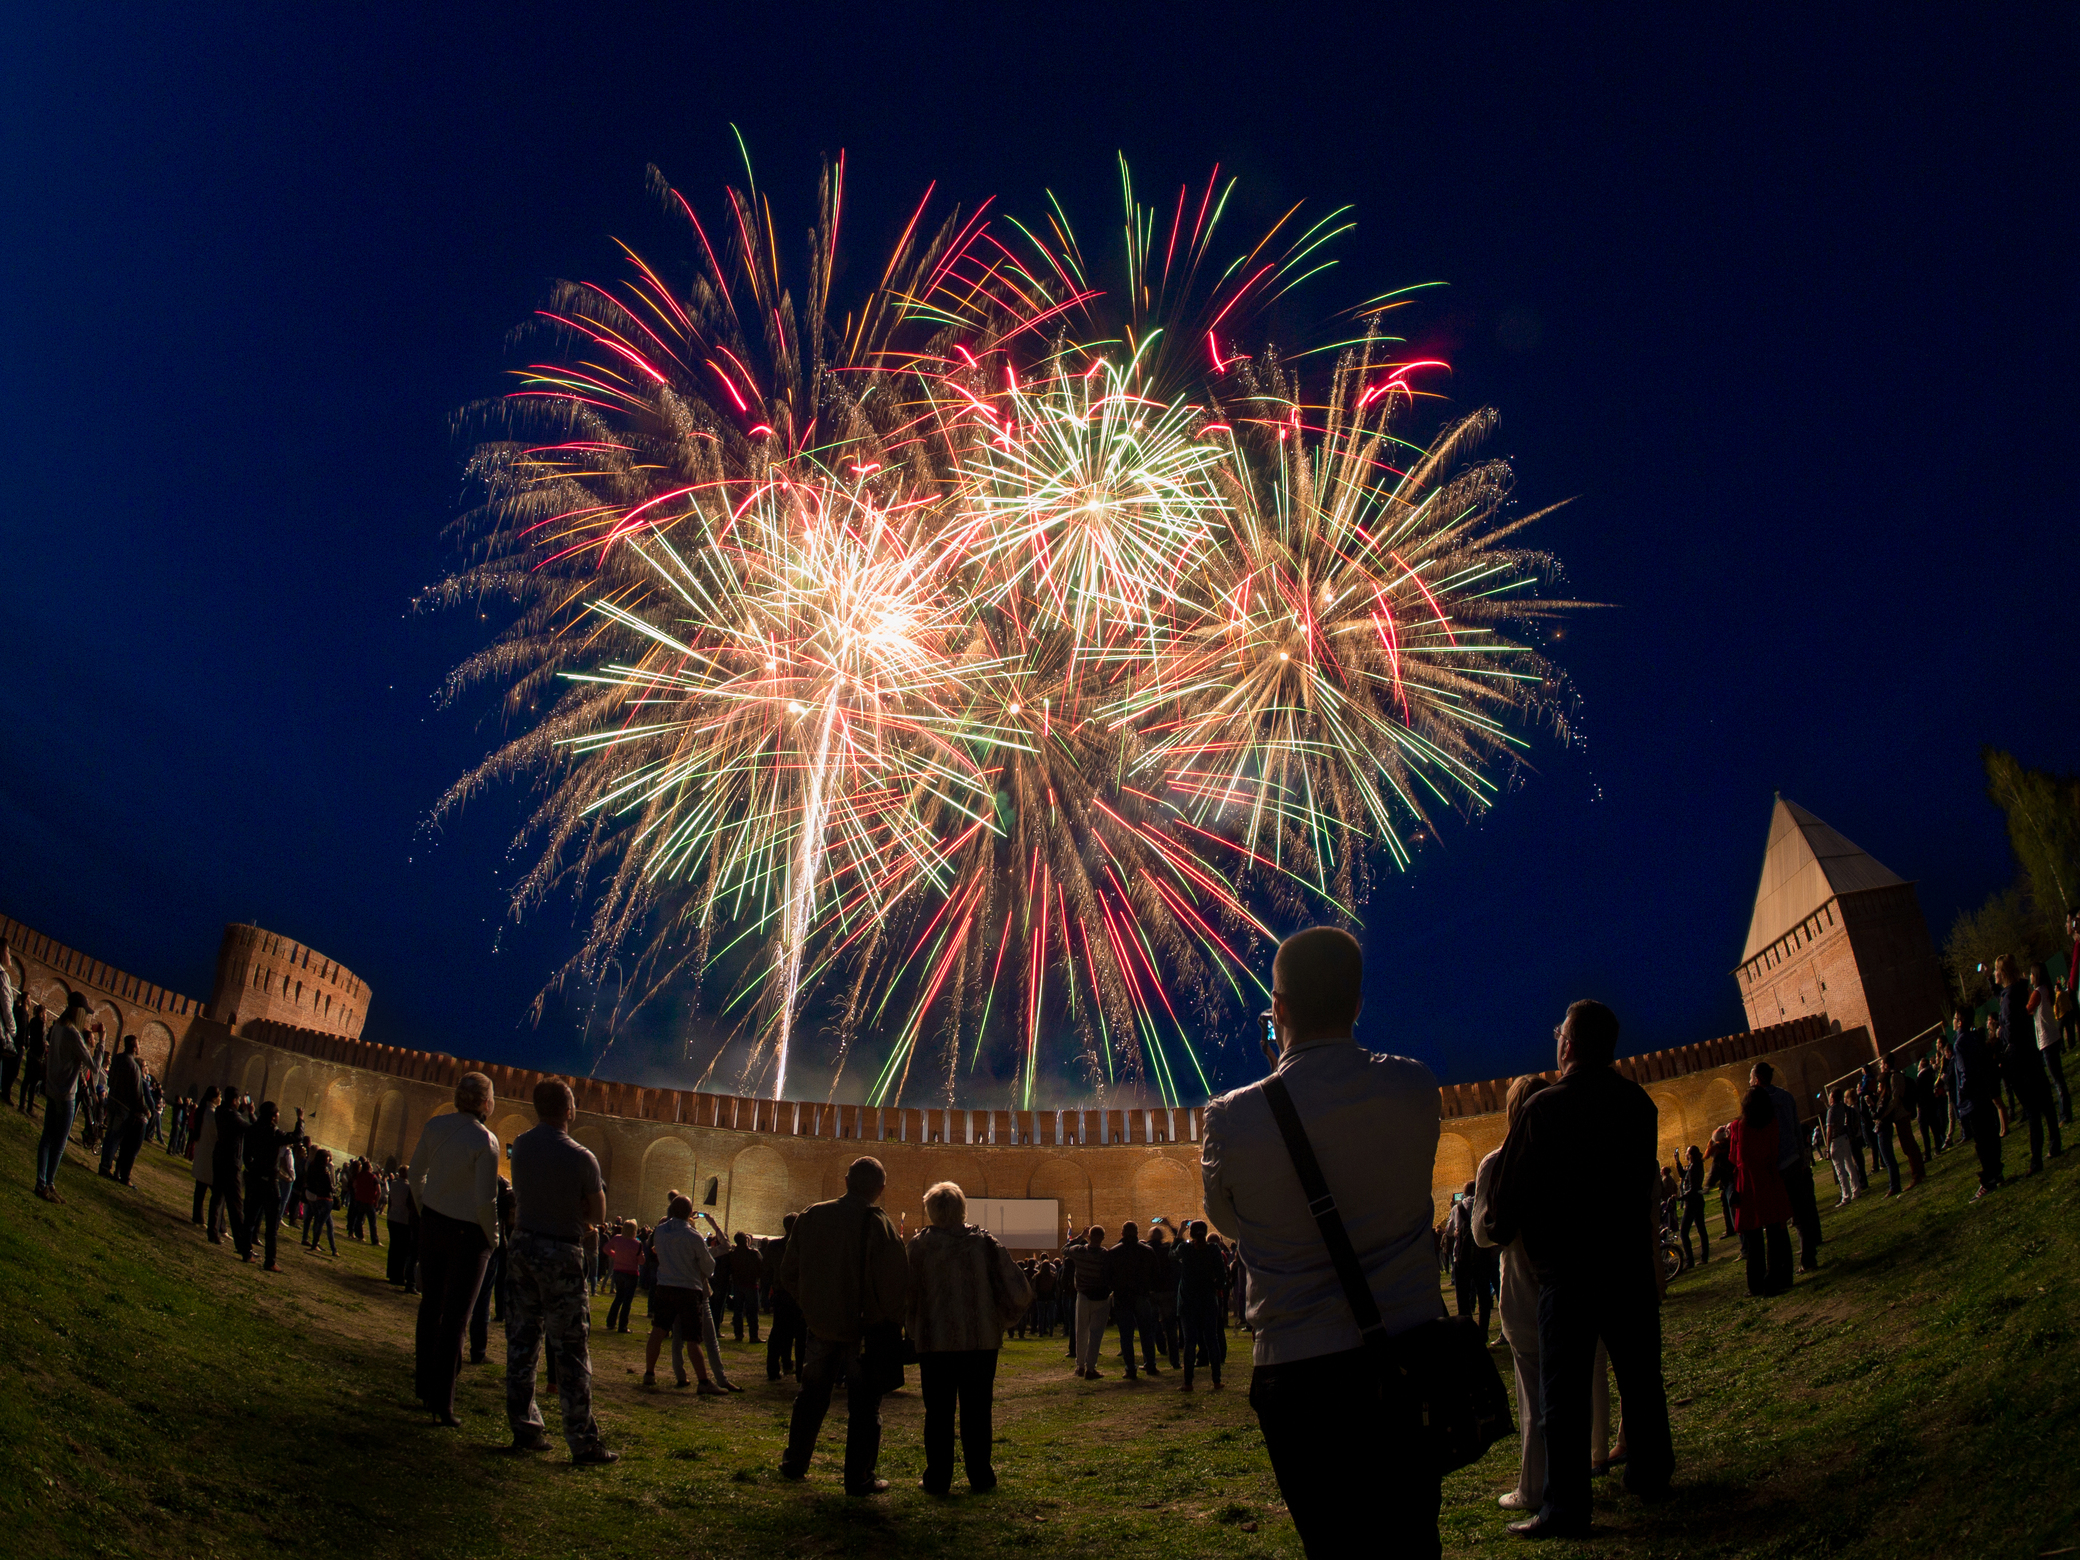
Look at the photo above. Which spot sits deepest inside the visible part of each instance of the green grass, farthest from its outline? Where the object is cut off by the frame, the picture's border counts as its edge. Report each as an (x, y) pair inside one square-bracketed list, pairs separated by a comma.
[(1920, 1395)]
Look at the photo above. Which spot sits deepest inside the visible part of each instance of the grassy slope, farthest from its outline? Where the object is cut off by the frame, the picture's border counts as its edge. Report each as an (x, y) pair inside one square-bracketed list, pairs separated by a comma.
[(159, 1398)]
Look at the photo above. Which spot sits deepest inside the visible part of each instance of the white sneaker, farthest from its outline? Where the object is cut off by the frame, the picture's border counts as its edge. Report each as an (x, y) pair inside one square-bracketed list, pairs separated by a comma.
[(1513, 1501)]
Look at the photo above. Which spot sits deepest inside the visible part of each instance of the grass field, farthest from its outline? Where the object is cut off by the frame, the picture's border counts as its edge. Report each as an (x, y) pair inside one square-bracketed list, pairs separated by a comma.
[(1920, 1395)]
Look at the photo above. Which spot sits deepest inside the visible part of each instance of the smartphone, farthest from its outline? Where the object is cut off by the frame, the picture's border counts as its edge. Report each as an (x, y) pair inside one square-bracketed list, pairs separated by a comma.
[(1270, 1041)]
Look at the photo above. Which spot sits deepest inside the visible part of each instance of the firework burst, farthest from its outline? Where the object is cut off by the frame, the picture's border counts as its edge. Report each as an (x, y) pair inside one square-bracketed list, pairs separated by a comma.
[(981, 668)]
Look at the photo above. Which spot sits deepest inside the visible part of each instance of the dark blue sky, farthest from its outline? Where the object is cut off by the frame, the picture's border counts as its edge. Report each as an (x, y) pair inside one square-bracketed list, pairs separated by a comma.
[(1786, 302)]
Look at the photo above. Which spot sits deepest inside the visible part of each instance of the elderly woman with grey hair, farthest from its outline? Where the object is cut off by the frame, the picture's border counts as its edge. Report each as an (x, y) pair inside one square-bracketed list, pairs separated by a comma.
[(964, 1291)]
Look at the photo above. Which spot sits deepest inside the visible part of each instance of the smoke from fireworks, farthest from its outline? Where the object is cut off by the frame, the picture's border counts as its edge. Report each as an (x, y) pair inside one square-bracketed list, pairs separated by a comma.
[(981, 668)]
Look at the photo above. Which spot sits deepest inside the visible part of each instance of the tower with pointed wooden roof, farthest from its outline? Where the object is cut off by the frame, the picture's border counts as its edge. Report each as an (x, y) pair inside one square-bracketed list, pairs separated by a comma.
[(1836, 932)]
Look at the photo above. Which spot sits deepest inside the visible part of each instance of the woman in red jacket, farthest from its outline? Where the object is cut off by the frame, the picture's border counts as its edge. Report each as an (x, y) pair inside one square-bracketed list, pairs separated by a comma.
[(1761, 1206)]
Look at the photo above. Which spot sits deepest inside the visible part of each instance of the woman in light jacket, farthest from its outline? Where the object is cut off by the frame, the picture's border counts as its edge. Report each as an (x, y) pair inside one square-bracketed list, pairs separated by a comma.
[(1520, 1331), (964, 1291)]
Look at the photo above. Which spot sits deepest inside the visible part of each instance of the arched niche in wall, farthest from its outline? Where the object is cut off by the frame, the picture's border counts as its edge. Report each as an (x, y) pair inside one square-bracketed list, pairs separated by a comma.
[(1165, 1187), (1454, 1166), (1722, 1102), (155, 1046), (253, 1080), (757, 1193), (338, 1117), (667, 1167), (1671, 1129), (594, 1137), (386, 1132), (288, 1094), (1063, 1179)]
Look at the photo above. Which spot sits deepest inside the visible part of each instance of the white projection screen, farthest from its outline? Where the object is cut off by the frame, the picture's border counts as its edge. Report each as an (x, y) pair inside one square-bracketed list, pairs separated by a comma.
[(1021, 1223)]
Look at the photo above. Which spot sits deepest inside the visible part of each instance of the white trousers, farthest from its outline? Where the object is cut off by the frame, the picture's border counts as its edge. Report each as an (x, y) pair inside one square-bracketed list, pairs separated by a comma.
[(1843, 1153), (1531, 1469), (1091, 1317)]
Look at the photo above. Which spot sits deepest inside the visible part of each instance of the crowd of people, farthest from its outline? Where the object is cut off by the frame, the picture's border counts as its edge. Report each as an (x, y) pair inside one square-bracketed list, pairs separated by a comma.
[(1569, 1232)]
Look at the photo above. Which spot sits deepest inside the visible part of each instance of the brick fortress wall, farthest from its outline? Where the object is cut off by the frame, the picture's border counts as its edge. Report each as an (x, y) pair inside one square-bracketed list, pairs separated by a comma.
[(749, 1161)]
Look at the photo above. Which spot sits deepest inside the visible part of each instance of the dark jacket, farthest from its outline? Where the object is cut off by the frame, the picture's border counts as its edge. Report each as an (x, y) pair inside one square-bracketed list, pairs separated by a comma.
[(1201, 1275), (2021, 1061), (1973, 1064), (264, 1144), (228, 1158), (1129, 1267), (126, 1083), (1579, 1179), (835, 1245)]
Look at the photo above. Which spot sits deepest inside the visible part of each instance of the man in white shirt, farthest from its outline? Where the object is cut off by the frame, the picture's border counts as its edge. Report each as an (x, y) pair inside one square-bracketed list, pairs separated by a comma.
[(1346, 1463), (455, 1185)]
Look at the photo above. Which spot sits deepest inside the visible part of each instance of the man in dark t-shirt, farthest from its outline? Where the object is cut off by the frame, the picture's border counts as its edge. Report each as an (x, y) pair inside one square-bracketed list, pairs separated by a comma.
[(559, 1201)]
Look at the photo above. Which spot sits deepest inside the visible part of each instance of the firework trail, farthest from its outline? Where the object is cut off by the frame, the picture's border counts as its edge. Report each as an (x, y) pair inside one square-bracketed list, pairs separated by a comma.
[(982, 666)]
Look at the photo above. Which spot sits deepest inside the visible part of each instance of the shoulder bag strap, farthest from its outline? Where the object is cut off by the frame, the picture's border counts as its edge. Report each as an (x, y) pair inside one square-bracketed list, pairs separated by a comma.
[(1323, 1206)]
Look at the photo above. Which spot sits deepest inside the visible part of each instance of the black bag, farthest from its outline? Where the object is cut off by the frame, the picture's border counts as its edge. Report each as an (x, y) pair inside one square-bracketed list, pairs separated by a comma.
[(1444, 1366), (883, 1348)]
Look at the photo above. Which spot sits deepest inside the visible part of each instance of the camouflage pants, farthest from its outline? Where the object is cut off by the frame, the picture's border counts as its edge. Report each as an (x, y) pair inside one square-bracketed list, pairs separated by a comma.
[(546, 1293)]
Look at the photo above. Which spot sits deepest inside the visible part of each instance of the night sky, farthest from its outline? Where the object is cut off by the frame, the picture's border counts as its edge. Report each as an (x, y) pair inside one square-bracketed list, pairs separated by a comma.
[(1785, 304)]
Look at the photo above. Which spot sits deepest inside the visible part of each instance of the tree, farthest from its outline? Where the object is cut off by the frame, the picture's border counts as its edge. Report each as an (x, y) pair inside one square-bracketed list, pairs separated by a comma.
[(2026, 920), (2007, 923), (2043, 829)]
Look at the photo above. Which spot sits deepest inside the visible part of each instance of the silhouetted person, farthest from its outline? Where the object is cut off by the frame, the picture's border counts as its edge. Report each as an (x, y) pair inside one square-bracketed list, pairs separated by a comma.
[(1579, 1179), (1794, 1165), (1761, 1210), (2023, 1063), (67, 1067), (559, 1201), (846, 1268), (455, 1189), (787, 1335), (1975, 1083)]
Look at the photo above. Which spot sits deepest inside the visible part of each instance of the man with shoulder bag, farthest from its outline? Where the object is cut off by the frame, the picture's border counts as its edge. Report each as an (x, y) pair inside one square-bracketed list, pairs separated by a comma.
[(1320, 1174)]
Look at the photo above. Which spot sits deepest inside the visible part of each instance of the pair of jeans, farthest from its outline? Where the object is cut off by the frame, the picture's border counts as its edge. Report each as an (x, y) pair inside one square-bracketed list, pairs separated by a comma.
[(1805, 1211), (1136, 1313), (1574, 1311), (1693, 1214), (115, 1119), (624, 1301), (823, 1361), (263, 1214), (744, 1308), (1199, 1321), (784, 1337), (2055, 1067), (2035, 1097), (317, 1220), (452, 1256), (225, 1200), (10, 1065), (50, 1148), (1983, 1127), (399, 1268), (1531, 1445), (201, 1197), (1168, 1333), (1474, 1280), (965, 1378), (1768, 1255), (132, 1141), (1348, 1462)]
